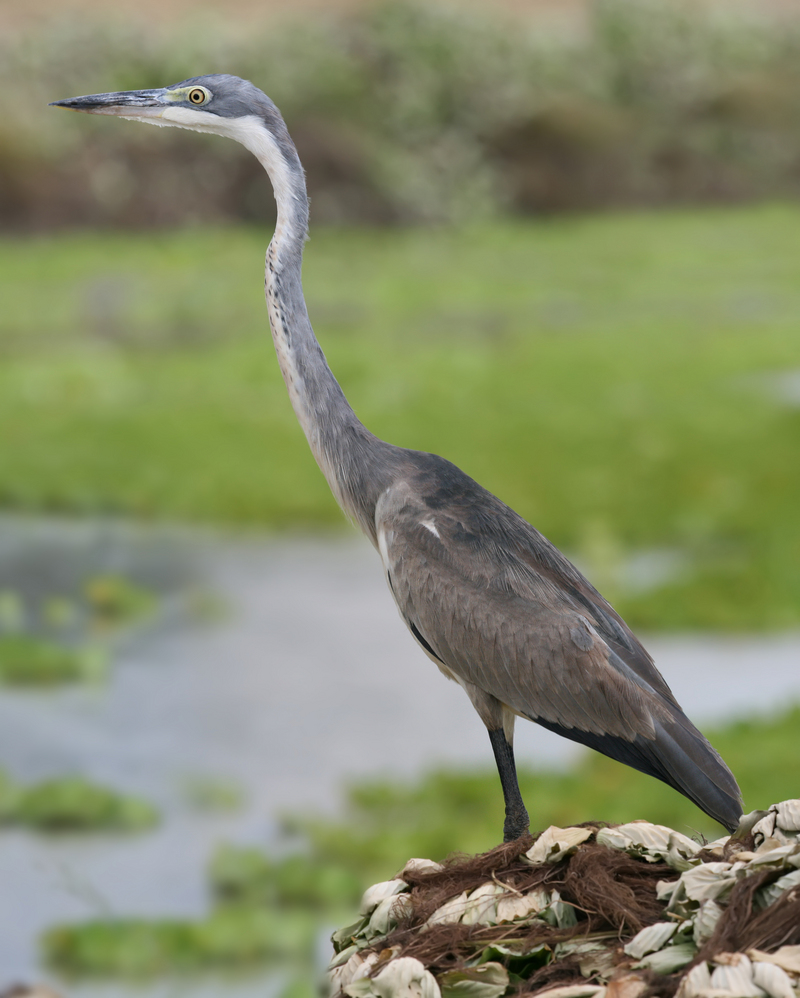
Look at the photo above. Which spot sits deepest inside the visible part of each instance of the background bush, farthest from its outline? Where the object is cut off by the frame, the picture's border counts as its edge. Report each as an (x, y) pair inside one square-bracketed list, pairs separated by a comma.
[(407, 112)]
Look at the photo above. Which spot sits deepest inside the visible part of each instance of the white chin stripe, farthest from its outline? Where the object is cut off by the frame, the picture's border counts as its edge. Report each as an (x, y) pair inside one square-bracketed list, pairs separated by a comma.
[(198, 121), (181, 117), (129, 111)]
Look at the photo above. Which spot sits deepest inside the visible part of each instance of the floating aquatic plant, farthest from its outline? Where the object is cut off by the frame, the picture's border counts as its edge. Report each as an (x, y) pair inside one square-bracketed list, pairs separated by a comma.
[(72, 804)]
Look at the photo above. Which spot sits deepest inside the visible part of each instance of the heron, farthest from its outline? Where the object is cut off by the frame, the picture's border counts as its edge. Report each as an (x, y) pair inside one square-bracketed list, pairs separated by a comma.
[(489, 599)]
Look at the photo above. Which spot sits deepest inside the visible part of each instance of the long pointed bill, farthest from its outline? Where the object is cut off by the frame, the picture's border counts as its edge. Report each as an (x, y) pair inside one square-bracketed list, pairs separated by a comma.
[(137, 104)]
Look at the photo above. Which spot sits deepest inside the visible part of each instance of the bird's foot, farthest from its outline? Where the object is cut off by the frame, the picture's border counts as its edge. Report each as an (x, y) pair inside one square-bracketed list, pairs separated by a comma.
[(516, 824)]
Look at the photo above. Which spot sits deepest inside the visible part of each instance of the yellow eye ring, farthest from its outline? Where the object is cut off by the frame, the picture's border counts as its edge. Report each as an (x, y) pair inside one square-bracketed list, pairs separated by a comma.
[(197, 96)]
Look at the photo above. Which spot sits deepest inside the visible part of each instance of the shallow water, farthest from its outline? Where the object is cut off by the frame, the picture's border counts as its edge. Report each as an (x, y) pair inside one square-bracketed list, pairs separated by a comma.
[(310, 679)]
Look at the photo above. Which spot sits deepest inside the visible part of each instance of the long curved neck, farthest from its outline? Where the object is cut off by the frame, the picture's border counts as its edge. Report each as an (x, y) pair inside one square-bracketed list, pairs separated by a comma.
[(347, 453)]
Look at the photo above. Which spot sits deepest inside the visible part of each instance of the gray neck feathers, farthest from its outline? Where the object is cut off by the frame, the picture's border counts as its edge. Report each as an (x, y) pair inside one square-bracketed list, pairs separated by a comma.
[(350, 457)]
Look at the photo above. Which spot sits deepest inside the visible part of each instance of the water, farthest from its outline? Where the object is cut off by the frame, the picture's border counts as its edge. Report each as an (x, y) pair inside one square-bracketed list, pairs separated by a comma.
[(310, 679)]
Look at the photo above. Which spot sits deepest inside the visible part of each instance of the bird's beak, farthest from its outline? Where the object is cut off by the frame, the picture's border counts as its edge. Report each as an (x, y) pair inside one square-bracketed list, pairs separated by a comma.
[(137, 104)]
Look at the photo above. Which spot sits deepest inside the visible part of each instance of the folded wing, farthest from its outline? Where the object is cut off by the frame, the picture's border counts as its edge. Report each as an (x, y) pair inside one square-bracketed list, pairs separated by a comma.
[(502, 609)]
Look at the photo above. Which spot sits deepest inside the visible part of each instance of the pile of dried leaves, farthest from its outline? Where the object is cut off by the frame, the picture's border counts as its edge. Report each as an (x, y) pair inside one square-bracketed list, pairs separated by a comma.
[(588, 912)]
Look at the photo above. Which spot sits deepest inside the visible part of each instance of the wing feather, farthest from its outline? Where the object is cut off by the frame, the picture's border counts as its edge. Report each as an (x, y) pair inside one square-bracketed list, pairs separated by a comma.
[(503, 611), (508, 629)]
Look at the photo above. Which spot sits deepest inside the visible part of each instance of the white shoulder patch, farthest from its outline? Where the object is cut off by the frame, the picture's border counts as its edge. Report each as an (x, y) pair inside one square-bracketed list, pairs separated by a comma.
[(383, 547), (430, 525)]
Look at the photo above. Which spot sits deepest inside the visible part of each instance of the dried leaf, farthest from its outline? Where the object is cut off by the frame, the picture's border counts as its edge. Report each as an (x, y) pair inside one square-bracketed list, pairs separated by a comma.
[(787, 957), (771, 843), (782, 822), (708, 881), (679, 904), (520, 906), (696, 983), (343, 938), (450, 912), (477, 908), (489, 980), (574, 991), (420, 866), (770, 894), (481, 907), (563, 913), (735, 974), (788, 815), (705, 921), (582, 944), (379, 892), (403, 977), (342, 957), (626, 986), (772, 979), (665, 889), (362, 988), (386, 916), (667, 961), (653, 843), (779, 856), (743, 857), (356, 968), (600, 963), (555, 843), (651, 938), (519, 951)]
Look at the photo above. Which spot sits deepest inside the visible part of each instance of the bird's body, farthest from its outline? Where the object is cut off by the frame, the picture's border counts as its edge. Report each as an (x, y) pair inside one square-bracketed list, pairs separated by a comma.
[(496, 606)]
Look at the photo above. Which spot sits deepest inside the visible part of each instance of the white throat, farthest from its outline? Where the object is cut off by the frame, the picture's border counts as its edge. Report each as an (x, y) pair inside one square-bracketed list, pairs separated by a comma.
[(250, 132)]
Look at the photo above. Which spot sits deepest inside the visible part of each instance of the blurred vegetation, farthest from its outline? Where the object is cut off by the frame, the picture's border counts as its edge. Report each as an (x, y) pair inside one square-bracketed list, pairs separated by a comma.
[(27, 660), (210, 794), (267, 909), (52, 638), (623, 381), (246, 876), (230, 938), (407, 112), (115, 601), (72, 804)]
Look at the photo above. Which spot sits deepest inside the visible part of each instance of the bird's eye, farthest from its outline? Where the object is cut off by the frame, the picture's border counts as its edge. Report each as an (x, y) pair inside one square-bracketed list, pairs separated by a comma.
[(197, 96)]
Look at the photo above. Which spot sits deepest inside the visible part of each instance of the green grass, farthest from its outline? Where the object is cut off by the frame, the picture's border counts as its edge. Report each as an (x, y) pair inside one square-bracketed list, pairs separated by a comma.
[(266, 908), (606, 376)]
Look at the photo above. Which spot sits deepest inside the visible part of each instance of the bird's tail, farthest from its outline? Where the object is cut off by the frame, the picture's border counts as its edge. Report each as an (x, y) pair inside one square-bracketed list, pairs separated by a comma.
[(680, 756), (684, 758)]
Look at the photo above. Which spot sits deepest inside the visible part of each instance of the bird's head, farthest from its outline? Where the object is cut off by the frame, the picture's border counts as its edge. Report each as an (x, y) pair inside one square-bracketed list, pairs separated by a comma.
[(221, 104)]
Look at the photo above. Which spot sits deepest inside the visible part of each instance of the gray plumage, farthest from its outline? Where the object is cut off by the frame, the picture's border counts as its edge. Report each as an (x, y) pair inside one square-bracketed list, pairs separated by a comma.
[(489, 599)]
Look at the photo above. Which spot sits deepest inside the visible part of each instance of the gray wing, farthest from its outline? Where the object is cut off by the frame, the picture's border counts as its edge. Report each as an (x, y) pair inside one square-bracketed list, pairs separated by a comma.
[(502, 609), (498, 617)]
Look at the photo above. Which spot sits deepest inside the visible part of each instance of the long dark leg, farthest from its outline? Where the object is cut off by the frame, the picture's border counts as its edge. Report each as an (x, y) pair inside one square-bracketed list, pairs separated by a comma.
[(517, 821)]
